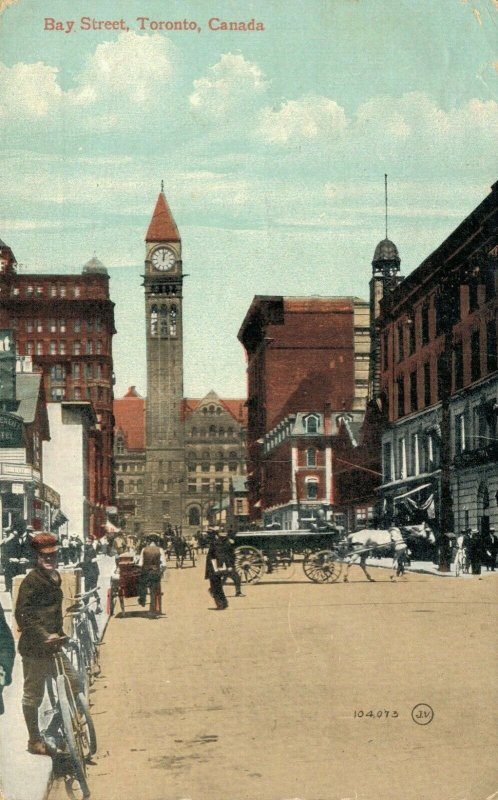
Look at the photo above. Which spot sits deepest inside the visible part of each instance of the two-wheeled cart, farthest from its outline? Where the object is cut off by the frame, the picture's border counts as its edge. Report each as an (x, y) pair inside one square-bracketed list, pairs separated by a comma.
[(126, 584), (276, 552)]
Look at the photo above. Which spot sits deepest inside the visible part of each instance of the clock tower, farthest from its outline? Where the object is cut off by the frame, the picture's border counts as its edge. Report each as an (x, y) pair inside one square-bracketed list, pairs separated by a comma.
[(164, 440)]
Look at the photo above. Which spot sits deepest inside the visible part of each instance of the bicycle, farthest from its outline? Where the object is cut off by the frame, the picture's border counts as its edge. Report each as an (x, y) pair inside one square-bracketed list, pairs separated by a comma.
[(70, 731), (85, 652)]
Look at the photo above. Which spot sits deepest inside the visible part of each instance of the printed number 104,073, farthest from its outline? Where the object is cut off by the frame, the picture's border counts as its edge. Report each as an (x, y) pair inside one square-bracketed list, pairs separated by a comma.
[(380, 714)]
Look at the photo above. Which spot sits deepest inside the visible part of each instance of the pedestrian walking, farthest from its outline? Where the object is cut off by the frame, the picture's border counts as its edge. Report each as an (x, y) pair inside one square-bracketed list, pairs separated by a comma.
[(490, 546), (7, 656), (39, 618), (10, 556), (228, 543), (89, 566), (475, 551), (216, 568), (152, 560)]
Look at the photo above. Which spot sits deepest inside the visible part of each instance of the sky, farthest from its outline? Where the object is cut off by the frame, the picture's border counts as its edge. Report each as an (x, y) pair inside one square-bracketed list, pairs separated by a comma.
[(272, 144)]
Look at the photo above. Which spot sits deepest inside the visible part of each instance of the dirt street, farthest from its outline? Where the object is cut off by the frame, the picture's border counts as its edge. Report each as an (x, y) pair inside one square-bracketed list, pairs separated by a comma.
[(301, 690)]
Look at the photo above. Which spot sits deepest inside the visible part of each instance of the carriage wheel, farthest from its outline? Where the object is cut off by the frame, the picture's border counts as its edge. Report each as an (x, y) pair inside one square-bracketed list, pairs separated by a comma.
[(249, 563), (322, 567)]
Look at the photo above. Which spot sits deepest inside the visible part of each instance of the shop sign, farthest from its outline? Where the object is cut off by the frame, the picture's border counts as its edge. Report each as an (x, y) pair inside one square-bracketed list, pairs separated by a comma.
[(11, 430), (18, 488)]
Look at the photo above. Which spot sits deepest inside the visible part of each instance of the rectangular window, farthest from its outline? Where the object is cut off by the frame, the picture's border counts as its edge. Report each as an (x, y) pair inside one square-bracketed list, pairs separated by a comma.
[(53, 348), (62, 325), (459, 433), (88, 371), (39, 326), (76, 348), (98, 347), (491, 345), (473, 296), (414, 455), (387, 466), (89, 347), (52, 326), (475, 356), (30, 348), (413, 391), (400, 386), (89, 325), (76, 393), (458, 365), (205, 486), (385, 351), (29, 326), (442, 376), (312, 490), (62, 291), (425, 324), (401, 458), (411, 335), (77, 291), (39, 348), (98, 324), (239, 507), (427, 383), (62, 348), (192, 487), (53, 290), (77, 325), (401, 349), (76, 371)]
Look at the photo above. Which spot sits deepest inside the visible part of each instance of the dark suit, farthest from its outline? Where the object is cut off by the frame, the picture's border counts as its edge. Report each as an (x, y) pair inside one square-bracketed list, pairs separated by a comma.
[(7, 654), (216, 553)]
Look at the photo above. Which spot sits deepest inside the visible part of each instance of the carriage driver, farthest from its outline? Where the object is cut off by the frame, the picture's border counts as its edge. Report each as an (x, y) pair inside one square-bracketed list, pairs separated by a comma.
[(39, 618)]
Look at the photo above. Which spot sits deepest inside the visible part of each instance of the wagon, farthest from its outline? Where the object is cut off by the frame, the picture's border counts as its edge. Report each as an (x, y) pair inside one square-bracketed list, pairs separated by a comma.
[(126, 584), (273, 552)]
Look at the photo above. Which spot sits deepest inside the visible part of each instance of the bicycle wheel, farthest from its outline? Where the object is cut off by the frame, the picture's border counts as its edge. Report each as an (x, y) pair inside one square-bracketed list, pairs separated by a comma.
[(72, 732), (87, 726)]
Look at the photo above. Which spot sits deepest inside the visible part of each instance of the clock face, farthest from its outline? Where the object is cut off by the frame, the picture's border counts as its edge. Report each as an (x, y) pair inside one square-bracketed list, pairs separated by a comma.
[(163, 258)]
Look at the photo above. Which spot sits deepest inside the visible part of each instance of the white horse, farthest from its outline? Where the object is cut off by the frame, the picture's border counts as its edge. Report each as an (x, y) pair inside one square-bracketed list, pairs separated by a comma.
[(361, 543)]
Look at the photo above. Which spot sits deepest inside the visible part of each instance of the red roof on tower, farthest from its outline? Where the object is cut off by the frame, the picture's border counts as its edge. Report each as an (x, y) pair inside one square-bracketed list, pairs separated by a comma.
[(162, 226), (129, 419)]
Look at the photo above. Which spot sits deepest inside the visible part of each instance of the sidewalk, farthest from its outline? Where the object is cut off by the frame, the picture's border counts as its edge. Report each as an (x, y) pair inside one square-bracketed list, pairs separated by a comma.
[(427, 567), (22, 775)]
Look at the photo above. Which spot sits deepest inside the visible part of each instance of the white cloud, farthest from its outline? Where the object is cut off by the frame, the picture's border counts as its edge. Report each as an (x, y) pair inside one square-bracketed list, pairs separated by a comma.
[(31, 89), (233, 86), (303, 120)]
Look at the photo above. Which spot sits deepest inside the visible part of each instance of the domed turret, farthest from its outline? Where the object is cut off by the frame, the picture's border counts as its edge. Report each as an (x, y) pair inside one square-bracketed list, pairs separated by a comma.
[(386, 257), (95, 267)]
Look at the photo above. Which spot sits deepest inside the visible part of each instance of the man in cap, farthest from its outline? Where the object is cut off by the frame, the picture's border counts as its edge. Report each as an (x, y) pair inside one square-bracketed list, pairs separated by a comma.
[(152, 560), (38, 615), (227, 543)]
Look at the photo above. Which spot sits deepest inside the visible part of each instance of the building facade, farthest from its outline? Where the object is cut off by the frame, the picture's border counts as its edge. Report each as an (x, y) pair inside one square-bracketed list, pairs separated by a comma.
[(308, 361), (439, 377), (63, 327), (129, 460)]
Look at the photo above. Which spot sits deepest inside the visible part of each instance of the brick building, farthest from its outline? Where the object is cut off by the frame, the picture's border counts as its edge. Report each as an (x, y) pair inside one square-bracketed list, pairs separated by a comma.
[(308, 363), (63, 326), (214, 452), (440, 379)]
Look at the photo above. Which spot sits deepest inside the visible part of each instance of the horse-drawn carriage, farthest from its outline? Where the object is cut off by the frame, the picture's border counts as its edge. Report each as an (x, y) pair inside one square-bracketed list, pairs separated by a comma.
[(277, 551), (322, 553)]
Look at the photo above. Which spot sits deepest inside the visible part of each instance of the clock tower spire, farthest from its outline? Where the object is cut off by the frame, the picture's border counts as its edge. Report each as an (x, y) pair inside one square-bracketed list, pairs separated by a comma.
[(164, 440)]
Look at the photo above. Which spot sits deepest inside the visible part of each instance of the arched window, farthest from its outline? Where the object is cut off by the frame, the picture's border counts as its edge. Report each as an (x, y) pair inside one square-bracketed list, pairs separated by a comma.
[(119, 445), (311, 457), (212, 430), (170, 484), (140, 485), (153, 321), (172, 321), (160, 485), (194, 516), (232, 454), (163, 323), (211, 409), (230, 433), (311, 424), (120, 487), (221, 432), (311, 488)]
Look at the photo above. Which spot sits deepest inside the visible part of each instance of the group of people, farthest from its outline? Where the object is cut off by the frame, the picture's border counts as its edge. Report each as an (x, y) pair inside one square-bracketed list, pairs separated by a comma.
[(480, 549)]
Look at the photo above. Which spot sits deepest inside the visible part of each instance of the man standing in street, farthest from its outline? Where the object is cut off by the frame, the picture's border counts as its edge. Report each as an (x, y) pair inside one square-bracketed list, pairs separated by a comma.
[(227, 542), (38, 615), (152, 560), (216, 568)]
